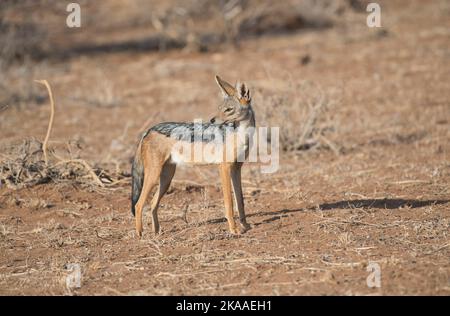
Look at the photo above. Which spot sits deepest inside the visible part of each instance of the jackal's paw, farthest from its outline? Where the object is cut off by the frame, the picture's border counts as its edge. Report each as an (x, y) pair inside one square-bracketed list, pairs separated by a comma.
[(244, 227), (235, 231)]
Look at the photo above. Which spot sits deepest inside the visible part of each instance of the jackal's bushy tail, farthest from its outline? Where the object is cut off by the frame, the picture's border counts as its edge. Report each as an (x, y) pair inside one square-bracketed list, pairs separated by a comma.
[(137, 179)]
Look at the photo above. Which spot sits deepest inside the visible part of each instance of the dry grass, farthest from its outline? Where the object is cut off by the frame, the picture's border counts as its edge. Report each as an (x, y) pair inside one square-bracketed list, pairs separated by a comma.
[(25, 166), (21, 34), (189, 259), (17, 86), (105, 94), (317, 222), (155, 25), (304, 113), (29, 164)]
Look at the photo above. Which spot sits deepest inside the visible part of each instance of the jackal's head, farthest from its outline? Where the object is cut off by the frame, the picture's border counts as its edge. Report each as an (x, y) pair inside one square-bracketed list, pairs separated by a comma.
[(236, 104)]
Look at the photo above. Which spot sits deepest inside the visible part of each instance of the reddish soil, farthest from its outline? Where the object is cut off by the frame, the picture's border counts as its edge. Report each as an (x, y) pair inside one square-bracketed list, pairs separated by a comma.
[(318, 222)]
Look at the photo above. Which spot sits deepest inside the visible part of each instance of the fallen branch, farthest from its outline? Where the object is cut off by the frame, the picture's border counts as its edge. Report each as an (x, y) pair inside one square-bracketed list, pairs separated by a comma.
[(52, 115), (86, 166)]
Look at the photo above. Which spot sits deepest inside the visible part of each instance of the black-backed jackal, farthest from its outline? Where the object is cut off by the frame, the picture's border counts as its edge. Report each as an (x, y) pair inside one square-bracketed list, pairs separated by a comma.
[(226, 139)]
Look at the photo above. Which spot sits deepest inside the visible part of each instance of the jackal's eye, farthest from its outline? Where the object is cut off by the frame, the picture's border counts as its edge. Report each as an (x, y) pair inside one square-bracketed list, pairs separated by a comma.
[(228, 110)]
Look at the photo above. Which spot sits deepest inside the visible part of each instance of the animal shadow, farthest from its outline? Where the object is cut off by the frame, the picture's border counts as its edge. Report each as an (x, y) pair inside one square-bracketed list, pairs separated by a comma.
[(389, 204)]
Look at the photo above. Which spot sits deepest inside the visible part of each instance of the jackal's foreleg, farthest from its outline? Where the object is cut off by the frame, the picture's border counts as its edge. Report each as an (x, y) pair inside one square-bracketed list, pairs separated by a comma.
[(225, 176), (238, 196)]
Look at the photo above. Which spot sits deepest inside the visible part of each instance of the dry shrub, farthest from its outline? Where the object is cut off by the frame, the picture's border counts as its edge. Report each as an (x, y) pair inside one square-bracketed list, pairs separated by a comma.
[(24, 166), (22, 38), (17, 86), (103, 94), (287, 16), (149, 25), (22, 33), (304, 113), (359, 5), (234, 20), (17, 41), (30, 164)]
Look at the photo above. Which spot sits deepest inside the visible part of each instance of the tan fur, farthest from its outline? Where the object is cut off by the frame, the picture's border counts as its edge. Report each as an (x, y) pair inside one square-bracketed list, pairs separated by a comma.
[(156, 155)]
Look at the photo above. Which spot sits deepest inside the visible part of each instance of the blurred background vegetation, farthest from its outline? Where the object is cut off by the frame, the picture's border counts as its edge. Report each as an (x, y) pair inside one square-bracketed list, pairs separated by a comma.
[(37, 29)]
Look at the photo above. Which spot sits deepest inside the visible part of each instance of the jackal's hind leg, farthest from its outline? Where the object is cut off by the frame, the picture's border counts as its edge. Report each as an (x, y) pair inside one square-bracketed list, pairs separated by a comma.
[(167, 173), (150, 181)]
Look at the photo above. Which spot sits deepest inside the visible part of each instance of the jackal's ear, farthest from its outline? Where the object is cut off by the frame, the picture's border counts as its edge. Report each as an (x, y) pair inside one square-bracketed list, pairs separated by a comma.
[(226, 88), (243, 93)]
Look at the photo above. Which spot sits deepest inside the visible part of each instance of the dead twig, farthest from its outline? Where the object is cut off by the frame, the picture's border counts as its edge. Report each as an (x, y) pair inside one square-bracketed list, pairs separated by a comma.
[(52, 115), (86, 166)]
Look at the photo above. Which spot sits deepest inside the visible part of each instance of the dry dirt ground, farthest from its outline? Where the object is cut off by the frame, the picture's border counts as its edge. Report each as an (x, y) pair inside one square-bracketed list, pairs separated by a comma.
[(377, 193)]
